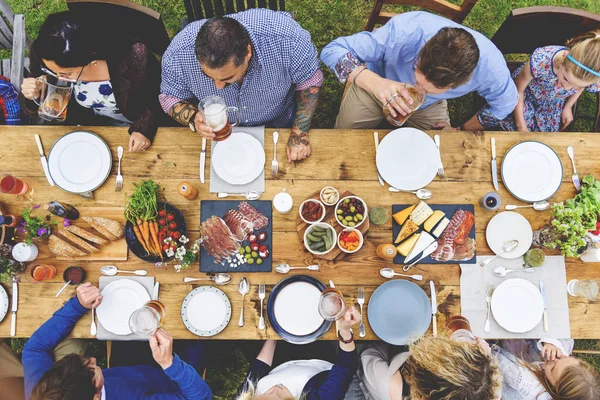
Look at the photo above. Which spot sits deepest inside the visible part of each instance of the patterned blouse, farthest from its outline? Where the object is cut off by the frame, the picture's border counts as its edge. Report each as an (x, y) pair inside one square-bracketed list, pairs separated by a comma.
[(100, 97)]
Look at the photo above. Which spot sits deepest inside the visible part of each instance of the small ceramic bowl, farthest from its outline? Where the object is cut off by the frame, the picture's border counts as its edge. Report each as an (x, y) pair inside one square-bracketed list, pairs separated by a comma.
[(316, 202), (361, 240), (310, 229), (337, 196), (365, 213)]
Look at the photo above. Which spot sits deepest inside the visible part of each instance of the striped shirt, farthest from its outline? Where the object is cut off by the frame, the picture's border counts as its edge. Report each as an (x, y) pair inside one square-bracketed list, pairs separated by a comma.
[(284, 60)]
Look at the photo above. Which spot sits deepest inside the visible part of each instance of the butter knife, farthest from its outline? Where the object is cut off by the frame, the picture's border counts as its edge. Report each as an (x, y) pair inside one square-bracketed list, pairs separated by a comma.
[(543, 291), (433, 308), (494, 165), (14, 307), (202, 159), (376, 137), (155, 291), (43, 160)]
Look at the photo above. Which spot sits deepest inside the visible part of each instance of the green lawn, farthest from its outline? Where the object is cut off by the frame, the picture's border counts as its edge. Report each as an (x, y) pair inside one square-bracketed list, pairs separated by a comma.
[(326, 20)]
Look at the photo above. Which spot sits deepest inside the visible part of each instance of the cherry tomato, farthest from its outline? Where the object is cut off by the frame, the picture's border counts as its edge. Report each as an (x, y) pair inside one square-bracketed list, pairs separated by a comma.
[(170, 217), (252, 238), (262, 236), (254, 247), (166, 247), (263, 248), (176, 235), (162, 222), (162, 213), (264, 254), (172, 226)]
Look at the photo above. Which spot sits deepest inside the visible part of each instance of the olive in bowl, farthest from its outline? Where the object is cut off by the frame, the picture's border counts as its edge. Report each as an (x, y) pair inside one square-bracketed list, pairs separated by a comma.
[(351, 212)]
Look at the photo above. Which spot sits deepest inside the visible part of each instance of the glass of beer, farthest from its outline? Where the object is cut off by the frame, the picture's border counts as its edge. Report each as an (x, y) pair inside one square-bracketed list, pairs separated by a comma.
[(146, 320), (216, 115), (418, 101), (54, 98), (331, 304), (460, 329)]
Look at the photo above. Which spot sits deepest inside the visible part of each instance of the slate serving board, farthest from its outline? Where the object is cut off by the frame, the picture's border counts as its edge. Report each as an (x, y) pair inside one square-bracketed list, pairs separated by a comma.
[(208, 208), (449, 210)]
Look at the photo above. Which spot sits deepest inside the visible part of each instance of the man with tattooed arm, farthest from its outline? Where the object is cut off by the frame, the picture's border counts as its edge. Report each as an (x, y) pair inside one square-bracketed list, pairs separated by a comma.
[(260, 61)]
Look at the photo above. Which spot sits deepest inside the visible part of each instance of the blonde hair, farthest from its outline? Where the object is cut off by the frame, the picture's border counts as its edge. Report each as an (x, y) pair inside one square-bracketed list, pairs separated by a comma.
[(444, 369), (586, 50), (250, 393), (577, 382)]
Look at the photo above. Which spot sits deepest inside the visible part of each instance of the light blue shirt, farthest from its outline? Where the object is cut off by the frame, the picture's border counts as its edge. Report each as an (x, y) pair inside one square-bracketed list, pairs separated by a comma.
[(392, 52)]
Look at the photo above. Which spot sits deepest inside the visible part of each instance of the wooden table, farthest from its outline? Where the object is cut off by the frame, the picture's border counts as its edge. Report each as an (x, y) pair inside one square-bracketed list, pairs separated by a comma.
[(344, 159)]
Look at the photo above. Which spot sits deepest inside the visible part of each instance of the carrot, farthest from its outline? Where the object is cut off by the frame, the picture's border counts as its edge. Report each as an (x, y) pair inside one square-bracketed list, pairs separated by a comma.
[(140, 238), (145, 229), (154, 236)]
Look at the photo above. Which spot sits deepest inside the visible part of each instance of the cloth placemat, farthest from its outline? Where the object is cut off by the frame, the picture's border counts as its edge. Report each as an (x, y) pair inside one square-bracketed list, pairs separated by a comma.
[(146, 281), (218, 185), (474, 281)]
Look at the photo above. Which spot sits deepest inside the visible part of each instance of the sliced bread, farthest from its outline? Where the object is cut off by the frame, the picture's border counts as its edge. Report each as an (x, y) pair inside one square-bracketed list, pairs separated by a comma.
[(82, 233), (61, 248), (78, 241), (105, 232)]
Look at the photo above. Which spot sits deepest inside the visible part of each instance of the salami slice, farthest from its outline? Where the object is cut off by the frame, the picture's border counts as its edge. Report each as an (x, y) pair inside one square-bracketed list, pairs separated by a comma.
[(258, 219)]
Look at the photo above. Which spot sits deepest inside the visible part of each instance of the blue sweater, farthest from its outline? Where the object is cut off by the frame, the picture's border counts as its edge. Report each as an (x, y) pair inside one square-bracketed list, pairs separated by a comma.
[(179, 381)]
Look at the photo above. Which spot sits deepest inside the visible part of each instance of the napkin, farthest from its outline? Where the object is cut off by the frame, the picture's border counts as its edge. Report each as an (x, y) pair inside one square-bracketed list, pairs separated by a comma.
[(474, 281), (218, 185), (146, 281)]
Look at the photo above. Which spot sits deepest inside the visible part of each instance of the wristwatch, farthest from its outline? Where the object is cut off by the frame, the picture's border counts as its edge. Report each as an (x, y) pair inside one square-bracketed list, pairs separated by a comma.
[(191, 123), (344, 340)]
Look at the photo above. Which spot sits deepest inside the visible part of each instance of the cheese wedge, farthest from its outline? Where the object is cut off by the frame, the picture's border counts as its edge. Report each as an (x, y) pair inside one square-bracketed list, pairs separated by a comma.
[(433, 220), (441, 227), (408, 229), (408, 244), (425, 239), (421, 212), (401, 216)]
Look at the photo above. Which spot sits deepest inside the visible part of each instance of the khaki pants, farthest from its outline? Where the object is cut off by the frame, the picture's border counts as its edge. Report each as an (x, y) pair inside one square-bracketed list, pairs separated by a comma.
[(361, 110)]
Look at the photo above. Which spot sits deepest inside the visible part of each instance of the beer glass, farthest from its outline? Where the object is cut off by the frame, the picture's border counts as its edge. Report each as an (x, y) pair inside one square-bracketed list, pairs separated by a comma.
[(460, 329), (146, 320), (418, 101), (54, 98), (331, 304), (216, 115)]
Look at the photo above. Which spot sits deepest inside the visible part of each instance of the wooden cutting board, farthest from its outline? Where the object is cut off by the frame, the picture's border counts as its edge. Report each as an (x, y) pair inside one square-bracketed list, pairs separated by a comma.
[(336, 253), (114, 251)]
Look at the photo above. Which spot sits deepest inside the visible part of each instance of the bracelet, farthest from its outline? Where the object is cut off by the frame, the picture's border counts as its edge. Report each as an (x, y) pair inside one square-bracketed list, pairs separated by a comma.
[(344, 340), (358, 73)]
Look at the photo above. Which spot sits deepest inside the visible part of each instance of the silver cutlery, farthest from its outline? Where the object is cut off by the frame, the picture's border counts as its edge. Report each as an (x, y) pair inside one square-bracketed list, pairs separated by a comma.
[(441, 174), (219, 279), (43, 159), (284, 268), (361, 302), (543, 292), (494, 165), (262, 293), (63, 288), (93, 327), (202, 160), (422, 194), (155, 291), (119, 183), (243, 288), (275, 163), (14, 307), (376, 137), (537, 206), (389, 273), (575, 176), (506, 248), (488, 300), (111, 270), (251, 195), (503, 271), (426, 253), (433, 308)]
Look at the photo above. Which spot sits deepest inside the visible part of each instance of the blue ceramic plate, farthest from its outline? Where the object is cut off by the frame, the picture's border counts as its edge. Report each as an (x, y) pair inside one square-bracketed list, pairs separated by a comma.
[(399, 312), (287, 336)]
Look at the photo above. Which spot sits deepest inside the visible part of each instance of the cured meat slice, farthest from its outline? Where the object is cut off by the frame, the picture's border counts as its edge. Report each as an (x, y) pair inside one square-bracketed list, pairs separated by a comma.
[(239, 224), (447, 246), (217, 239), (258, 219)]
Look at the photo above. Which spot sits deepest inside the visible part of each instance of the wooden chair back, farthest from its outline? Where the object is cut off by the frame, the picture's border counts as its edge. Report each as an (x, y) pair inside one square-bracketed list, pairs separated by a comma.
[(201, 9), (455, 12), (130, 18), (13, 37)]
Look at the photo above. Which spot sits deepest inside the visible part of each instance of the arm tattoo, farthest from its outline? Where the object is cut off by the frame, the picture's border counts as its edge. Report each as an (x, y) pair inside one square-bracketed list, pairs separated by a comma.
[(182, 112), (306, 100)]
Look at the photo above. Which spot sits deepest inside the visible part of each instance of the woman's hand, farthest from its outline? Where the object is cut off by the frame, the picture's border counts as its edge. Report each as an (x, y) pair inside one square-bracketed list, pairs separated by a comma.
[(138, 142), (89, 295), (350, 319), (550, 352), (485, 346), (566, 117), (31, 88)]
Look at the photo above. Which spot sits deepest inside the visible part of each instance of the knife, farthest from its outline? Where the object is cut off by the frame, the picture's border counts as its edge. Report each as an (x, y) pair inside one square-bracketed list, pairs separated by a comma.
[(202, 159), (14, 306), (155, 291), (494, 165), (43, 159), (426, 253), (433, 308), (543, 291), (376, 137)]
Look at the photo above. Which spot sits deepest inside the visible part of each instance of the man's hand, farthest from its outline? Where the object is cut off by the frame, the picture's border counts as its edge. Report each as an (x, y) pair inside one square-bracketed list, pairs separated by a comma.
[(566, 118), (393, 95), (298, 146), (201, 128), (444, 126), (138, 142), (89, 295), (161, 345), (350, 319), (550, 352), (30, 88)]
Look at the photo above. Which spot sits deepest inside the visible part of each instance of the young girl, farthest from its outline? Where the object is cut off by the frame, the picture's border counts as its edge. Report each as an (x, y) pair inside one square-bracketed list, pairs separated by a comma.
[(550, 83)]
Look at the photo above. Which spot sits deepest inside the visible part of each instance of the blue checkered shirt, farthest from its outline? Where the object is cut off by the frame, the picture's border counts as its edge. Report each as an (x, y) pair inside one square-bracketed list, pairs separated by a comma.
[(283, 57)]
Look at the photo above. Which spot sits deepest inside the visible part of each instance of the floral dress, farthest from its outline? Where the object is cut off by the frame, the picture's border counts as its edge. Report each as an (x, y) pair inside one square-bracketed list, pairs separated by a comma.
[(100, 97), (544, 97)]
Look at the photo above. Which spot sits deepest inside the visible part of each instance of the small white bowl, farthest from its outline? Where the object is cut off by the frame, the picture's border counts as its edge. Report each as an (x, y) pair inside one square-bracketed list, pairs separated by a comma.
[(337, 196), (312, 201), (320, 225), (361, 240), (365, 214)]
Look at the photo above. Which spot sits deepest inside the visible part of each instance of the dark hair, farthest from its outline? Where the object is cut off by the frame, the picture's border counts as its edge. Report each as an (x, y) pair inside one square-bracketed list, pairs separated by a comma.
[(449, 58), (68, 379), (221, 40)]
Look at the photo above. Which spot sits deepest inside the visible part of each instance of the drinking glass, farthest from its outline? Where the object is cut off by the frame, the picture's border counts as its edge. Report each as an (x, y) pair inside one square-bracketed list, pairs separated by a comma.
[(54, 98), (331, 304), (13, 185), (146, 320), (534, 258), (216, 115), (460, 329), (418, 101), (586, 288)]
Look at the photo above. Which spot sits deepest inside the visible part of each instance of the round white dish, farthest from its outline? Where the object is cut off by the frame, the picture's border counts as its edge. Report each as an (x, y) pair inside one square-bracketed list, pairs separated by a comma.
[(238, 160), (507, 226), (206, 311), (3, 303), (517, 305), (120, 299), (298, 317)]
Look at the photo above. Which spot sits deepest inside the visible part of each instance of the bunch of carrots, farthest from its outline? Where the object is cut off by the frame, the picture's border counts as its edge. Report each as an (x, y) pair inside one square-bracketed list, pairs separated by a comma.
[(142, 211)]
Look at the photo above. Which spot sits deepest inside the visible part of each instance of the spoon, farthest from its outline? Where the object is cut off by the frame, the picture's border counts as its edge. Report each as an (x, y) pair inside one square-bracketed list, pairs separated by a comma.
[(422, 194), (243, 288), (538, 206), (251, 195), (390, 273), (284, 268), (63, 288), (503, 271), (506, 248), (219, 279), (111, 270)]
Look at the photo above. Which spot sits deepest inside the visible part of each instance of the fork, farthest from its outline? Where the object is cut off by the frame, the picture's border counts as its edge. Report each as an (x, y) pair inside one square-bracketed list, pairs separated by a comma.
[(119, 185), (275, 163), (261, 295), (488, 299), (436, 138), (361, 302), (574, 177), (93, 328)]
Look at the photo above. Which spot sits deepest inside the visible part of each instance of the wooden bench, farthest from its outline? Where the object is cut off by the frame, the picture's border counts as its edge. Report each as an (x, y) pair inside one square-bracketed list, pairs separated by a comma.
[(13, 37)]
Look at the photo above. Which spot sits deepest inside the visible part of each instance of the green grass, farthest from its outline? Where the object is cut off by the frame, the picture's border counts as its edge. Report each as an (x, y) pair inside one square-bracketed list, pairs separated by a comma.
[(325, 20)]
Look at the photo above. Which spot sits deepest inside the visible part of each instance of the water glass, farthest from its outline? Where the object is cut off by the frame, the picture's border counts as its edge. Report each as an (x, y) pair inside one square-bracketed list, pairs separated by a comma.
[(331, 304), (586, 288)]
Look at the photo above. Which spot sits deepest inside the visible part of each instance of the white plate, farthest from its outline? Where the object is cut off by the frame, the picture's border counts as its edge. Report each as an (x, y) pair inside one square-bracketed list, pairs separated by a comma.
[(3, 302), (507, 226), (120, 299), (240, 159), (79, 162), (298, 317), (531, 171), (206, 311), (517, 305), (407, 159)]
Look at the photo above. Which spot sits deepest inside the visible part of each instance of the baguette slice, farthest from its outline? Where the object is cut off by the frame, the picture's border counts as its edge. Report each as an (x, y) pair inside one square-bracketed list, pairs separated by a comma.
[(62, 248), (82, 233), (78, 241), (114, 227), (105, 232)]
